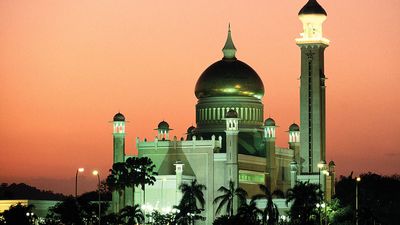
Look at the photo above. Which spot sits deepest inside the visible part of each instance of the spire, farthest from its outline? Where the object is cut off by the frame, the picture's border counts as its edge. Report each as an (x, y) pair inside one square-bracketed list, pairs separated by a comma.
[(229, 49)]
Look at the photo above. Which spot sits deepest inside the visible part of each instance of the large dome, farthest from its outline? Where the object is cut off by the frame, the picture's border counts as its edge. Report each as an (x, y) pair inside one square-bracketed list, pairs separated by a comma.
[(229, 77)]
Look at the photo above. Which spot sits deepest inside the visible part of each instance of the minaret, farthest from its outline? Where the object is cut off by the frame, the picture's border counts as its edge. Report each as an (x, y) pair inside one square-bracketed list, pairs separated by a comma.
[(312, 87), (294, 141), (269, 135), (163, 131), (119, 137), (189, 133), (232, 131), (119, 155)]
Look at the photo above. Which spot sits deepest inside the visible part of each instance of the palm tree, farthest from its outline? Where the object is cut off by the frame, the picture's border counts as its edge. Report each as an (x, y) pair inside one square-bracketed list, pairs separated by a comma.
[(192, 193), (270, 213), (304, 197), (249, 214), (118, 180), (228, 196), (146, 173), (132, 214), (133, 176)]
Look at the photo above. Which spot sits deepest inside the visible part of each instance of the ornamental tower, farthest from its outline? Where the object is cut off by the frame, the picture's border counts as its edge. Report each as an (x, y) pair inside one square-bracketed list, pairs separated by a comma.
[(294, 141), (271, 171), (232, 167), (163, 131), (312, 87), (119, 137)]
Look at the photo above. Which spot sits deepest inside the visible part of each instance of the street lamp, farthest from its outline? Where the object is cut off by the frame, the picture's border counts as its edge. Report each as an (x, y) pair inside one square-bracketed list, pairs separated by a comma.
[(30, 216), (358, 179), (96, 173), (80, 170), (320, 166)]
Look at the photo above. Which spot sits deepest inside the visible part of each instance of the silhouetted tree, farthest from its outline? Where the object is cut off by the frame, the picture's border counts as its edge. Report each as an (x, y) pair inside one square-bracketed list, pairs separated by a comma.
[(17, 215), (304, 197), (191, 195), (118, 180), (379, 198), (131, 214), (226, 199), (270, 213)]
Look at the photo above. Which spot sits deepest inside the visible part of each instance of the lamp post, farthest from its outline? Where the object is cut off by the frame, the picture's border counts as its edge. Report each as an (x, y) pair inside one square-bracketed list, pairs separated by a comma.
[(358, 179), (96, 173), (320, 166), (80, 170)]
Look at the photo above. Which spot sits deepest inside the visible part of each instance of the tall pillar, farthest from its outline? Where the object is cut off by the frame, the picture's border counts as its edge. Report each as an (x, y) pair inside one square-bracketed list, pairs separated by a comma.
[(293, 173), (119, 155), (232, 131), (312, 87), (178, 173), (294, 142), (332, 173), (271, 171)]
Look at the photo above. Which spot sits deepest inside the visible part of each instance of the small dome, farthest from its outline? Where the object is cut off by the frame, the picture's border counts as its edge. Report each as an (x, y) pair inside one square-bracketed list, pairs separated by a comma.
[(331, 163), (163, 126), (231, 114), (312, 7), (190, 130), (294, 127), (269, 122), (119, 117)]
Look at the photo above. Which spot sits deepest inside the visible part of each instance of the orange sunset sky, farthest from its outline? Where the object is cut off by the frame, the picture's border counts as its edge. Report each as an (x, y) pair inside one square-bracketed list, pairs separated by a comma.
[(67, 66)]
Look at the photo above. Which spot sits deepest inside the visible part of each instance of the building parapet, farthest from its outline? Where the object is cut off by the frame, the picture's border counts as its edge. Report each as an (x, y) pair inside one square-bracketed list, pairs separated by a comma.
[(284, 152), (175, 143)]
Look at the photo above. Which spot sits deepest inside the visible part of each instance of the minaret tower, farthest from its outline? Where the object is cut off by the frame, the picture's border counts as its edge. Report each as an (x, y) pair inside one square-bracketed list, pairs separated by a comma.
[(119, 137), (232, 131), (294, 141), (269, 135), (312, 87), (119, 155), (163, 131)]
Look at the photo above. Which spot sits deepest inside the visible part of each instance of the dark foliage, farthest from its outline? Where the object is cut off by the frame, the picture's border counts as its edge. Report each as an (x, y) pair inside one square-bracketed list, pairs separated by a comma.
[(73, 211), (17, 215), (379, 198), (304, 196), (24, 191)]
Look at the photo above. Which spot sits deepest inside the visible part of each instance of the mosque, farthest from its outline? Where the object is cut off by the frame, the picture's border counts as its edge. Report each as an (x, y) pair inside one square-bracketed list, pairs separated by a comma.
[(231, 140)]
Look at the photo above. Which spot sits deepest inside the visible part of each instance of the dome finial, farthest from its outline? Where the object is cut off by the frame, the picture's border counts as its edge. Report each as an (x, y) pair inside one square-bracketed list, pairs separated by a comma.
[(229, 49)]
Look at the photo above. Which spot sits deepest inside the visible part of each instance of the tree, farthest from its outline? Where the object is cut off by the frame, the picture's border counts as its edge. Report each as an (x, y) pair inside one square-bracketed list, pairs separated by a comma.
[(270, 213), (18, 215), (73, 211), (192, 194), (304, 197), (132, 214), (228, 196), (144, 171), (248, 214), (378, 197), (118, 180), (111, 219)]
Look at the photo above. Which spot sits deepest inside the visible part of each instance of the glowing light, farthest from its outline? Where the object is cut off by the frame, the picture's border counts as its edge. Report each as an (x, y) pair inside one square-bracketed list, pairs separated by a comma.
[(80, 170), (358, 179), (320, 165), (95, 172)]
